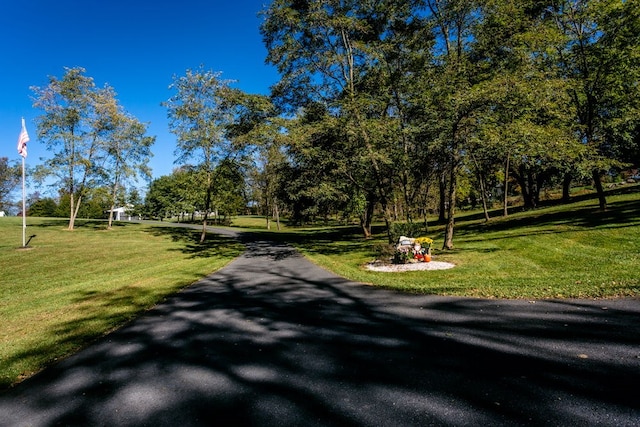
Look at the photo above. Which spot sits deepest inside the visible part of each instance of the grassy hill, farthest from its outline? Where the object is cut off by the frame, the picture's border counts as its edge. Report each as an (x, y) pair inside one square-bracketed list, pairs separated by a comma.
[(559, 251)]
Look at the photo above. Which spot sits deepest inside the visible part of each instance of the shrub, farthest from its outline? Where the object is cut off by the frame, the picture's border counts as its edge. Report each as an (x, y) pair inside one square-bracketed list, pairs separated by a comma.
[(408, 229)]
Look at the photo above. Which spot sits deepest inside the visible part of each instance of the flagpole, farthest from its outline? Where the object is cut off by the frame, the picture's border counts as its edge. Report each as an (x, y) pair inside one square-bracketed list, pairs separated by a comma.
[(24, 209), (22, 150)]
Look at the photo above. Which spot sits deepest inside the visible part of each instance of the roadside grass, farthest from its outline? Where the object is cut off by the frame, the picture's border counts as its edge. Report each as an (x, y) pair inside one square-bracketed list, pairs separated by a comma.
[(71, 287), (561, 251)]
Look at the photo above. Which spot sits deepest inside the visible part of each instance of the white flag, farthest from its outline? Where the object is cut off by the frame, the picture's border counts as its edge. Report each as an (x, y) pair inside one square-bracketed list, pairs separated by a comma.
[(22, 141)]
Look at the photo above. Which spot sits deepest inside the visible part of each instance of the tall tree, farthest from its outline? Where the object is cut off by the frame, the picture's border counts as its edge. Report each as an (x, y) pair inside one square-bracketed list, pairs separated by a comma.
[(600, 58), (127, 149), (91, 137), (259, 129), (529, 108), (67, 128), (456, 96), (329, 53), (199, 116)]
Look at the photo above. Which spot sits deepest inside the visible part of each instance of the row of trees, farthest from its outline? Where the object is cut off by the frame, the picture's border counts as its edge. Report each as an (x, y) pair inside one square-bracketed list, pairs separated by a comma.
[(394, 98), (97, 204), (384, 107)]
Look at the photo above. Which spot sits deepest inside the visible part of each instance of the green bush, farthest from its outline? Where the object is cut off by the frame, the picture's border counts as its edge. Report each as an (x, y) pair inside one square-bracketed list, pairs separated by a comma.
[(408, 229)]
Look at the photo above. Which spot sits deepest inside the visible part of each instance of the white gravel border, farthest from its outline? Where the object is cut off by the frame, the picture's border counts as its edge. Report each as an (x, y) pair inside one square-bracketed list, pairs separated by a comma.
[(414, 266)]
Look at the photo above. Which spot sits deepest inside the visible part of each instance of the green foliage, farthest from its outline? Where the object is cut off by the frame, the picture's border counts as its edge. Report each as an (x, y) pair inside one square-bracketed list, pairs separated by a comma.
[(408, 229), (92, 138), (395, 98), (46, 207), (201, 115), (228, 194), (599, 47), (10, 175), (71, 288)]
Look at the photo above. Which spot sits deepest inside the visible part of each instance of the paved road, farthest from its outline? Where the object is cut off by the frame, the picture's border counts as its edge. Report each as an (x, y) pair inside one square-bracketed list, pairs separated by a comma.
[(272, 340)]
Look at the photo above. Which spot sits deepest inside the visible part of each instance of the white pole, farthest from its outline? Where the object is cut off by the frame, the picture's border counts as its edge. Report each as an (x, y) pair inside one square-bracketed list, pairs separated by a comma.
[(24, 210)]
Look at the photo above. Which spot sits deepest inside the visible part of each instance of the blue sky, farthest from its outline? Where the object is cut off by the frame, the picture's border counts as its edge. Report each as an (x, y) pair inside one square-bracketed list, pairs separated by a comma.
[(135, 46)]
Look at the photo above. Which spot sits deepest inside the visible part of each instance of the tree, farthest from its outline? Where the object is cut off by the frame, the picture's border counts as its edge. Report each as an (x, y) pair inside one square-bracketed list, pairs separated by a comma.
[(127, 151), (328, 54), (10, 175), (599, 56), (45, 207), (135, 201), (259, 129), (199, 117), (163, 198), (93, 140), (457, 96), (67, 126), (229, 189)]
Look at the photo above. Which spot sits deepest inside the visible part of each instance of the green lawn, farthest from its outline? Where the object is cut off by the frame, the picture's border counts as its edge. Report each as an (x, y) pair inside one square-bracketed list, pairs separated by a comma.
[(564, 251), (69, 288), (74, 286)]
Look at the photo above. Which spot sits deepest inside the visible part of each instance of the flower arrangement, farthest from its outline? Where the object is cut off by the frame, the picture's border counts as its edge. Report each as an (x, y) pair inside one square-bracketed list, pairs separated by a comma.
[(413, 250), (424, 241)]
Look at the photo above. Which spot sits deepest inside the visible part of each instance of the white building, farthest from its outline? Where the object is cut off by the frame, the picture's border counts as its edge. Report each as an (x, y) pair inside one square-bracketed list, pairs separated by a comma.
[(120, 214)]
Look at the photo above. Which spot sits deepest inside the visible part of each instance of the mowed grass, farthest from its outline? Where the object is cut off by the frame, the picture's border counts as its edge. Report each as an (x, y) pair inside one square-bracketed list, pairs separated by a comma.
[(564, 251), (71, 287)]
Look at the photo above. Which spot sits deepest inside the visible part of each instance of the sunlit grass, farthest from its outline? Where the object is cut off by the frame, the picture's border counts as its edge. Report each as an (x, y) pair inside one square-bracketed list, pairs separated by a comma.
[(70, 287), (565, 251)]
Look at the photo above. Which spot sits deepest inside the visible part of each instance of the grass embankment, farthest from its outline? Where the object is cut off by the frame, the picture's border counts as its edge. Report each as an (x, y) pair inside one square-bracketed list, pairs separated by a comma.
[(562, 251), (71, 287)]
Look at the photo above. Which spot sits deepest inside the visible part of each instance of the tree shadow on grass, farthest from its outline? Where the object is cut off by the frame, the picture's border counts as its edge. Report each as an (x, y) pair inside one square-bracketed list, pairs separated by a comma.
[(215, 245), (274, 340), (618, 215), (325, 241)]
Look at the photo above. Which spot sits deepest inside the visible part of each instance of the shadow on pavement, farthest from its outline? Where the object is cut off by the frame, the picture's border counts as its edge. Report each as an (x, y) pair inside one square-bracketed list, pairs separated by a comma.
[(273, 340)]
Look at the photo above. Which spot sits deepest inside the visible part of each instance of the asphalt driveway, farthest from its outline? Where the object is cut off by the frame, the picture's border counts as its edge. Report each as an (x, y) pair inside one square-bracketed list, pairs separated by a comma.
[(273, 340)]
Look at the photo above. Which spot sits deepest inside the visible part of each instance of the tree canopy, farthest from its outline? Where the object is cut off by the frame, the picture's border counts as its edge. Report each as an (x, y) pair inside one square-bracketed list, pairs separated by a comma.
[(92, 138), (390, 109)]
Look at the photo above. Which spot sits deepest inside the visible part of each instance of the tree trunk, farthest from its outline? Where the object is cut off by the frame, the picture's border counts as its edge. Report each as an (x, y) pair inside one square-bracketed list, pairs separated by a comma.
[(276, 211), (203, 235), (425, 221), (598, 183), (207, 204), (448, 238), (72, 210), (525, 188), (113, 206), (451, 209), (365, 219), (534, 193), (505, 211), (566, 187), (485, 208), (443, 197), (113, 203), (483, 190)]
